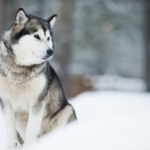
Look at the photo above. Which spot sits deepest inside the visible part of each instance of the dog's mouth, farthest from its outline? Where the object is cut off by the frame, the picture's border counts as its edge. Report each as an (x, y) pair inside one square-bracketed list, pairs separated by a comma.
[(47, 57), (37, 56), (44, 58)]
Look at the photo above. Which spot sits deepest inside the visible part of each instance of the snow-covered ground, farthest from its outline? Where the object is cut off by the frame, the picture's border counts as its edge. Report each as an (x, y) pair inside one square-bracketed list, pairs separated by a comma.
[(106, 121)]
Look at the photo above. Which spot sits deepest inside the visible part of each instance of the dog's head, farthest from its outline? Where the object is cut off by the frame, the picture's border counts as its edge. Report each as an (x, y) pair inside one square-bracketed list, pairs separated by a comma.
[(30, 40)]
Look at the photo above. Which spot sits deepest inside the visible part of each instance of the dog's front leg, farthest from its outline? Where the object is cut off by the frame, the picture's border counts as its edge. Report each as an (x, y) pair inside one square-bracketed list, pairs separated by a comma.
[(9, 117), (34, 123)]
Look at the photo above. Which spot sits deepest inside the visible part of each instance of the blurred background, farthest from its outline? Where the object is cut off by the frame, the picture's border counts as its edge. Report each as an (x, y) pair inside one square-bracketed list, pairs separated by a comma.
[(99, 44), (103, 47)]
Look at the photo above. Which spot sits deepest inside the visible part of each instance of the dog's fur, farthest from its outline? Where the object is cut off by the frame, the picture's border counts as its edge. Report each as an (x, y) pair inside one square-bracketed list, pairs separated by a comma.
[(31, 94)]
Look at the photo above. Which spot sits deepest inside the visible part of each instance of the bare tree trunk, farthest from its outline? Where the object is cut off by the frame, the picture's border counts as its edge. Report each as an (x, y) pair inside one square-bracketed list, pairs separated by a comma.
[(40, 7), (66, 26), (147, 42), (2, 16)]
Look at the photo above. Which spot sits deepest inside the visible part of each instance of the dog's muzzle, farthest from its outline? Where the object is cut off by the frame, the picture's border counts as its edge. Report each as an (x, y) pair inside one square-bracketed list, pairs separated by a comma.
[(50, 52)]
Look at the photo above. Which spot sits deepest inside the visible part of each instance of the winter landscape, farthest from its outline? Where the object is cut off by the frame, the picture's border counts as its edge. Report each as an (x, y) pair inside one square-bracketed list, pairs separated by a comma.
[(102, 57), (106, 120)]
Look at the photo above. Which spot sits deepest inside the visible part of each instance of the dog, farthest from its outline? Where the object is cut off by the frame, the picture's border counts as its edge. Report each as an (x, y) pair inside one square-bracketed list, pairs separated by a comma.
[(31, 95)]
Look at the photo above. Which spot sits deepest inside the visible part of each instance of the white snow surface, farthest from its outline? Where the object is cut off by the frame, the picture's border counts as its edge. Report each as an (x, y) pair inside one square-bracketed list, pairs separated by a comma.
[(106, 121)]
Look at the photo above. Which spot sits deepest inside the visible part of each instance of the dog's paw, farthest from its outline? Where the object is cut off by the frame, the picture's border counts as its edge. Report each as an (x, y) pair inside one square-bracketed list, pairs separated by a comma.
[(10, 148), (19, 147), (14, 148)]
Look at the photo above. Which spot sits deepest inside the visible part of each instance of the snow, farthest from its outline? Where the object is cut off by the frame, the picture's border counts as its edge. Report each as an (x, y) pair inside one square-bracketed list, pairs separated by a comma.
[(106, 120)]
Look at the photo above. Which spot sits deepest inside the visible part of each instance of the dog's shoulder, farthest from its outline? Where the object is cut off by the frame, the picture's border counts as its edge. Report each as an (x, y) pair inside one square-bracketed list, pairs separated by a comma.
[(55, 87)]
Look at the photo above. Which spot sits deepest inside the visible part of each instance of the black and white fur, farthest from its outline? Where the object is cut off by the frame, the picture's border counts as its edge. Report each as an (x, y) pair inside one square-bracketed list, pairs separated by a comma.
[(31, 94)]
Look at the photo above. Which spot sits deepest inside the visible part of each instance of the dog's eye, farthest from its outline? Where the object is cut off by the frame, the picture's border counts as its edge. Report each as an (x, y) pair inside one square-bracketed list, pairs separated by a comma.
[(48, 38), (37, 37)]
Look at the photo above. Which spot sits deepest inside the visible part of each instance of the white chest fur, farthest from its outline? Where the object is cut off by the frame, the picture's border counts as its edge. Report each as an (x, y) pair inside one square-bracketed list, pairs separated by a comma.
[(21, 95)]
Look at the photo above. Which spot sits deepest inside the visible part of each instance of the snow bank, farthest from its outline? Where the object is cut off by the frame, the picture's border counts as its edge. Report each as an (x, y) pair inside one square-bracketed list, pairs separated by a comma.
[(89, 105), (106, 120)]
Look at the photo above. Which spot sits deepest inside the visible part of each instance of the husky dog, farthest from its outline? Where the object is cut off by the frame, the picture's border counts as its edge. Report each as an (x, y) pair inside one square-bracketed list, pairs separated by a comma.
[(31, 94)]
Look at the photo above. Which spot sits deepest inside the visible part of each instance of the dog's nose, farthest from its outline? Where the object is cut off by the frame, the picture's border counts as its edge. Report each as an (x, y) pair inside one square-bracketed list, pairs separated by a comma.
[(50, 52)]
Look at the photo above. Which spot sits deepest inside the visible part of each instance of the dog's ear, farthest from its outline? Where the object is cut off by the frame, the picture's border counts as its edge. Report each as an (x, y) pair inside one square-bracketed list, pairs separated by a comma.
[(21, 17), (51, 20)]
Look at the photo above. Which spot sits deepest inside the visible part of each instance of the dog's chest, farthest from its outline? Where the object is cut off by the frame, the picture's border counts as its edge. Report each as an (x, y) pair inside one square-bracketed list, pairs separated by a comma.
[(21, 95)]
